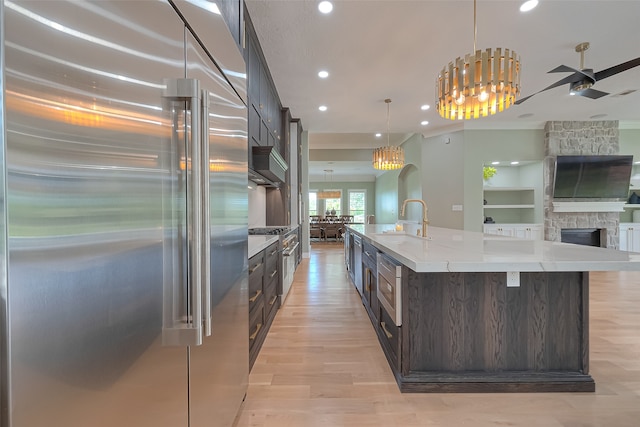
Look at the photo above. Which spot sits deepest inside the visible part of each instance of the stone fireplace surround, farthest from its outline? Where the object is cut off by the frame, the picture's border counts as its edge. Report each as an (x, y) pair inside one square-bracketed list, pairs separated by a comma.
[(578, 138)]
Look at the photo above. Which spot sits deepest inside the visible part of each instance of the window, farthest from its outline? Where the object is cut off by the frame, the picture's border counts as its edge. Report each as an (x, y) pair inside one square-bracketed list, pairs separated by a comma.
[(357, 205), (313, 203), (331, 205)]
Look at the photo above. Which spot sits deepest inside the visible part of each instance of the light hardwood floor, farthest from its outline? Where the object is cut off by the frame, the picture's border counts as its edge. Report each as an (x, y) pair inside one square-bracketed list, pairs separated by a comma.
[(321, 365)]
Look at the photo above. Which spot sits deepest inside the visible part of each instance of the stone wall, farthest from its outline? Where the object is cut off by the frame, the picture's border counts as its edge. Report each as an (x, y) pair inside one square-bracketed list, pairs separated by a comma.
[(578, 138)]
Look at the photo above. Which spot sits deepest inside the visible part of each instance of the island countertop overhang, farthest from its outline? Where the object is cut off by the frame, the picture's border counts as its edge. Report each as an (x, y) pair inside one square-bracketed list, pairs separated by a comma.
[(449, 250)]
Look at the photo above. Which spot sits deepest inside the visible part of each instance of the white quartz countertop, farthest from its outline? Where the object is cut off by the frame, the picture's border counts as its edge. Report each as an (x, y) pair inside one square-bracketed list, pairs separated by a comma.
[(259, 242), (467, 251)]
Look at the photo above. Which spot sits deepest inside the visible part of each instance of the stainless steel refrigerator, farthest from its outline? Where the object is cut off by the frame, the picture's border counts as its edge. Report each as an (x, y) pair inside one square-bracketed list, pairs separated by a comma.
[(123, 267)]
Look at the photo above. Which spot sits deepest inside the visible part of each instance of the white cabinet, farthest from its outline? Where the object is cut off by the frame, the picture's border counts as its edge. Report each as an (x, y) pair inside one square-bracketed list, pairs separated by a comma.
[(522, 231), (629, 237)]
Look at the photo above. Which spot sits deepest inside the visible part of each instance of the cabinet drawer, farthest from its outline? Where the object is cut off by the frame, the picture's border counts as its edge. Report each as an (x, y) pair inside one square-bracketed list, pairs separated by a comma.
[(256, 321), (256, 265), (271, 296), (271, 257), (369, 256), (390, 337), (256, 270), (270, 274)]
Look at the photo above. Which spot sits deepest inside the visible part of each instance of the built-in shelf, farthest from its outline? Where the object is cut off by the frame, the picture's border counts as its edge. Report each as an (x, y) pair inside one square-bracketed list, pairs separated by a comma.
[(509, 204), (632, 206)]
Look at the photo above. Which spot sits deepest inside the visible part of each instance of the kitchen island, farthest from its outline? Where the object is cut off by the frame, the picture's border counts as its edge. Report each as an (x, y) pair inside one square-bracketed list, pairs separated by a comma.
[(481, 313)]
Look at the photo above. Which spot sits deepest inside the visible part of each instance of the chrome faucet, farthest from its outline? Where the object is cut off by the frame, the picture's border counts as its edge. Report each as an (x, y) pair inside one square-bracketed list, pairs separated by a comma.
[(424, 214)]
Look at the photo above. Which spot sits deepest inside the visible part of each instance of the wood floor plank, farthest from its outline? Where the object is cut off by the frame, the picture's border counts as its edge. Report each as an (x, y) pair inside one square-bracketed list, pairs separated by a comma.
[(321, 365)]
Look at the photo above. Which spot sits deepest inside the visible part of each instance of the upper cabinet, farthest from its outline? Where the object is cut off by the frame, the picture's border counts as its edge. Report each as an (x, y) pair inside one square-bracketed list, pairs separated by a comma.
[(232, 11), (265, 110)]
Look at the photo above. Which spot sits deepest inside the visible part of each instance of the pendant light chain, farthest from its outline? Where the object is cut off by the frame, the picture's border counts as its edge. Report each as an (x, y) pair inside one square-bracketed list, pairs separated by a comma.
[(388, 101)]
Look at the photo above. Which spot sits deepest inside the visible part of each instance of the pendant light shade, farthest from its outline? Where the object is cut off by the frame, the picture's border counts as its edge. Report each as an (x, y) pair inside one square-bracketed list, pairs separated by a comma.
[(389, 157), (482, 83)]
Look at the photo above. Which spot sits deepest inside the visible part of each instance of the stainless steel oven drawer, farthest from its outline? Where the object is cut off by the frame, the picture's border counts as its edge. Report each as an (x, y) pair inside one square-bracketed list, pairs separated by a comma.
[(390, 287)]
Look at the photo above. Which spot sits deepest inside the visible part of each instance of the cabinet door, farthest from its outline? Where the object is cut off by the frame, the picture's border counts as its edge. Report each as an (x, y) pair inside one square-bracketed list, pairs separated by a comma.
[(254, 68), (635, 239), (624, 238), (491, 229), (529, 232)]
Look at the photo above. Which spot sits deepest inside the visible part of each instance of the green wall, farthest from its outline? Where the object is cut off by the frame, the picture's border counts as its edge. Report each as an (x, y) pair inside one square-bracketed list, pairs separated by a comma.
[(369, 187), (450, 167)]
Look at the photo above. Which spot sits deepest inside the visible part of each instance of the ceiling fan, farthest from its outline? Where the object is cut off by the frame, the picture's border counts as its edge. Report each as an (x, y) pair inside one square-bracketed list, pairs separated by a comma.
[(581, 80)]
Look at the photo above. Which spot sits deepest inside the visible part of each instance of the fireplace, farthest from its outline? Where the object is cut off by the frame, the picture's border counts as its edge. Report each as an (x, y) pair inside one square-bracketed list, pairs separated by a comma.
[(584, 236)]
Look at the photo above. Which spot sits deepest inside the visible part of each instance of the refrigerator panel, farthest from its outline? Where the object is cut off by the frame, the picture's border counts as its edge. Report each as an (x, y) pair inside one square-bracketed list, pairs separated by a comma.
[(219, 368), (86, 132), (4, 324), (209, 25)]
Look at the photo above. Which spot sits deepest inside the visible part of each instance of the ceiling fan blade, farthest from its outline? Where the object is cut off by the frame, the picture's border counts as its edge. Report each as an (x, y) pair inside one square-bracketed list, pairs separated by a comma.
[(566, 80), (521, 100), (564, 69), (617, 69), (592, 93), (577, 74)]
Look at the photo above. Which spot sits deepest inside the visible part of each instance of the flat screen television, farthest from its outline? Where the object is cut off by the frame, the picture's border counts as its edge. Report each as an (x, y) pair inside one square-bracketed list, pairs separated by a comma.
[(589, 177)]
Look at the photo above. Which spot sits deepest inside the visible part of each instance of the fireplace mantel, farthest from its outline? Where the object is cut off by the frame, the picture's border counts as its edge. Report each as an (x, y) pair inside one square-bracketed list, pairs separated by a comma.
[(559, 206)]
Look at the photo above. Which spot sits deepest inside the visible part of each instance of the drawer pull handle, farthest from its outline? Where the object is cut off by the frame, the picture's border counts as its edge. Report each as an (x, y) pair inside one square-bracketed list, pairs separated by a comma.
[(255, 297), (386, 332), (255, 334), (255, 267), (275, 251), (273, 274), (273, 300), (367, 254)]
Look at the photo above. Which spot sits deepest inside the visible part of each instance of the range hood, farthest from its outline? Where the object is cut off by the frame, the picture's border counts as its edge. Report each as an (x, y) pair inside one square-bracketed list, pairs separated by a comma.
[(269, 168)]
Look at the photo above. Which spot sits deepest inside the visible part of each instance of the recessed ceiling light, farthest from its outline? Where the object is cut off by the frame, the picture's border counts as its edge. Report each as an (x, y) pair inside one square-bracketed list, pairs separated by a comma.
[(325, 6), (514, 163), (425, 107), (424, 122), (322, 108), (323, 74), (528, 5), (495, 163), (378, 135), (525, 115), (598, 116)]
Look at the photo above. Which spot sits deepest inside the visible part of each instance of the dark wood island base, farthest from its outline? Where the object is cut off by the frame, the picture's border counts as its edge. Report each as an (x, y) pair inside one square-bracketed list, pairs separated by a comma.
[(469, 332)]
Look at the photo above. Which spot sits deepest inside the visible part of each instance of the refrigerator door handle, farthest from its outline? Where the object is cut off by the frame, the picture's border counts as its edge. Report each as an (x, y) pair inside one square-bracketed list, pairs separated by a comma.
[(206, 226), (182, 308)]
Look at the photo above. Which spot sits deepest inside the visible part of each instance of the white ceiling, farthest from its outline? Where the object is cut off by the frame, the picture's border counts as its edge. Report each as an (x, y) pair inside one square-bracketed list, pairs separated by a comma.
[(395, 48)]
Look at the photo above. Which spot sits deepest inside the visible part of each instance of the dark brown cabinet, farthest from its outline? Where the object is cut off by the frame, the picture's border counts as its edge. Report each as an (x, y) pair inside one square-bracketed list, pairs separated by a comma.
[(265, 110), (390, 337), (471, 332), (370, 280), (263, 297)]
